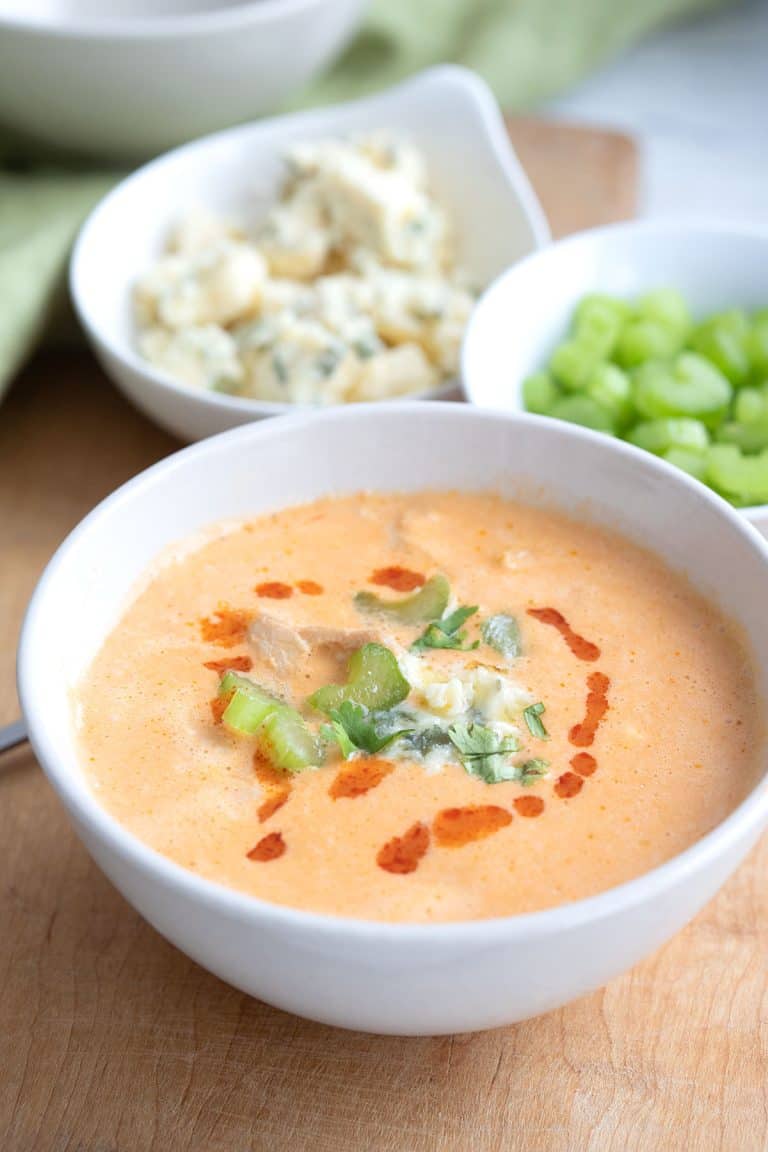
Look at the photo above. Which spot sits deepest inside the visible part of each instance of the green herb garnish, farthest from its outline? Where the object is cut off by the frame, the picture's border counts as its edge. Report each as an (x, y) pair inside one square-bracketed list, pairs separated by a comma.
[(353, 728), (531, 770), (447, 632), (426, 739), (502, 633), (484, 753), (533, 719)]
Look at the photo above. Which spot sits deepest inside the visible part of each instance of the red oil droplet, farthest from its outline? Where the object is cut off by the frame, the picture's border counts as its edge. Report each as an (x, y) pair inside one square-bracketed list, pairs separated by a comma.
[(402, 854)]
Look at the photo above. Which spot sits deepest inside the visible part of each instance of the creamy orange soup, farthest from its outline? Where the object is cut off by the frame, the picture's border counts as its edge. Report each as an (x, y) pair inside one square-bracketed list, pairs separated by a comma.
[(585, 718)]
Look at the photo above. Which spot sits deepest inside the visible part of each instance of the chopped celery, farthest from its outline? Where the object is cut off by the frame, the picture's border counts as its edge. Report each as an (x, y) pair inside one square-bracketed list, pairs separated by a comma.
[(281, 734), (666, 306), (539, 393), (740, 476), (723, 341), (374, 680), (573, 363), (428, 603), (601, 301), (287, 742), (583, 410), (644, 340), (609, 387), (249, 706), (757, 346), (660, 436), (694, 463), (598, 324), (750, 406), (689, 387), (748, 437)]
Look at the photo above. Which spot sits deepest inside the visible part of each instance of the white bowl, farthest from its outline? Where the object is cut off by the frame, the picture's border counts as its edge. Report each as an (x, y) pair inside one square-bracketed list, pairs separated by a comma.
[(125, 86), (395, 978), (448, 112), (525, 314)]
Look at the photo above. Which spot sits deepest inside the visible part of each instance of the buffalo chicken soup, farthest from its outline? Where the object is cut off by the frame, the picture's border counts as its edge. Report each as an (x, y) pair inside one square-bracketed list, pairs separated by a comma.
[(423, 707)]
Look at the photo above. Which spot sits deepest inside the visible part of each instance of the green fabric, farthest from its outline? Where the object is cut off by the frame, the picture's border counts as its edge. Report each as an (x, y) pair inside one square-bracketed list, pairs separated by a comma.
[(526, 49)]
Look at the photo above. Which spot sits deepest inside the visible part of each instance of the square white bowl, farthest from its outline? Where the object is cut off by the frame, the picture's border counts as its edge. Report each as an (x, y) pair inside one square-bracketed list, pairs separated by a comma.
[(448, 112)]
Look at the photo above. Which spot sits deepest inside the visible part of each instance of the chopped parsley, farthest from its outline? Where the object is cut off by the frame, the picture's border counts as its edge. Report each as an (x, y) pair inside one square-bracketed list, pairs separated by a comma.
[(502, 633), (447, 632), (354, 728), (484, 753), (532, 716)]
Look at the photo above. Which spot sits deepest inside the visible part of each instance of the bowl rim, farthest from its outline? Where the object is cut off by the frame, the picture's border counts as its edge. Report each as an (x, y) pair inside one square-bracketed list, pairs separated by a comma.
[(742, 823), (474, 89), (654, 229), (144, 28)]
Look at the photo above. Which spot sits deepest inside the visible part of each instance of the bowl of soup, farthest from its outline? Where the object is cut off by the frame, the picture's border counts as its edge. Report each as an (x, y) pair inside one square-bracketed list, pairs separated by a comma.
[(409, 719)]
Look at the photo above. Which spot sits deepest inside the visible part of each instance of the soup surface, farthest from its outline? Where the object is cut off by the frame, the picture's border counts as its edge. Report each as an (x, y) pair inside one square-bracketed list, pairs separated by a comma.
[(535, 710)]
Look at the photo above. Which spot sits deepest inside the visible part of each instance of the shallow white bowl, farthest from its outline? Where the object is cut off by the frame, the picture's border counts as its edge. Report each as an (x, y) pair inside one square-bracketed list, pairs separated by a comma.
[(525, 314), (122, 81), (379, 977), (448, 112)]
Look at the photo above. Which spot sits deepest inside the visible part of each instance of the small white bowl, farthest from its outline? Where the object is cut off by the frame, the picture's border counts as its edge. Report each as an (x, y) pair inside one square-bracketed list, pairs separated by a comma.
[(128, 82), (448, 112), (525, 314), (380, 977)]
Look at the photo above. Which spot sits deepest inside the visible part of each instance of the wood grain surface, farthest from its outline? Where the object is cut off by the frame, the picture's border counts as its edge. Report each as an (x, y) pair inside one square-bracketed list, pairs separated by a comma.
[(112, 1041)]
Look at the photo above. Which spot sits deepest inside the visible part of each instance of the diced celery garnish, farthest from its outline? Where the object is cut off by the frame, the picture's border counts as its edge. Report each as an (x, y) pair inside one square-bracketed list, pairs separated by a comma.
[(660, 436), (374, 680), (573, 363), (644, 340), (694, 463), (583, 410), (428, 603), (539, 393), (666, 306), (280, 732), (611, 388), (723, 340), (691, 386), (745, 477), (598, 324), (748, 437)]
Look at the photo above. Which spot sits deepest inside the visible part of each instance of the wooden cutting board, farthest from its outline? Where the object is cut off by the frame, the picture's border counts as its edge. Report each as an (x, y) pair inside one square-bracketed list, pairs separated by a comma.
[(112, 1041)]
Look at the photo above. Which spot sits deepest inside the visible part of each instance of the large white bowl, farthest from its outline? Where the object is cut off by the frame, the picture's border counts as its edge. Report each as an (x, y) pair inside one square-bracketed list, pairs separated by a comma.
[(448, 112), (380, 977), (525, 314), (127, 86)]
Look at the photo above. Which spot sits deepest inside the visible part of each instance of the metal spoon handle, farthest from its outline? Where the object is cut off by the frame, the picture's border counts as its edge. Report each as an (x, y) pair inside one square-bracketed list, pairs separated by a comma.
[(12, 735)]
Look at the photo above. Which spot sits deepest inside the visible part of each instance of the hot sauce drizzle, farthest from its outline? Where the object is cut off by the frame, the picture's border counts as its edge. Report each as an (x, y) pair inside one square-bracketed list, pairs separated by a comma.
[(276, 785), (568, 785), (270, 847), (397, 578), (454, 827), (219, 707), (402, 854), (359, 777), (583, 763), (529, 805), (231, 664), (581, 648), (309, 587), (225, 627), (274, 590), (583, 734)]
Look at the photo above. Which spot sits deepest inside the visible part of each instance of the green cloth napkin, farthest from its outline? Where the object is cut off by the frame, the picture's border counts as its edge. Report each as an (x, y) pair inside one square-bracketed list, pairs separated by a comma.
[(526, 49)]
